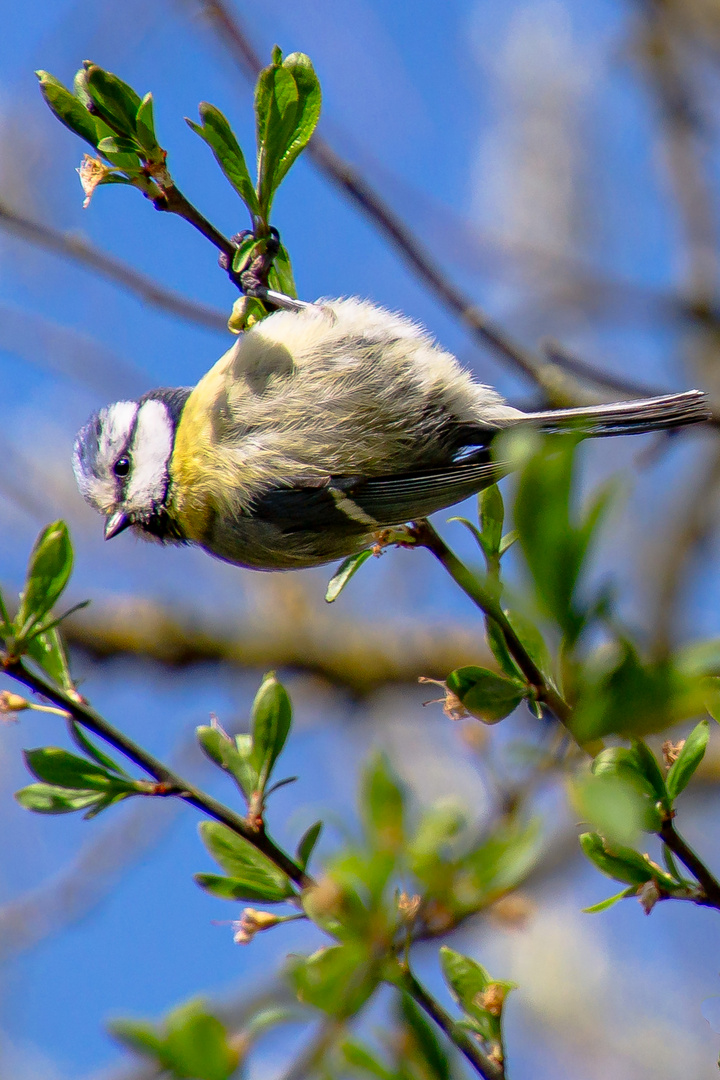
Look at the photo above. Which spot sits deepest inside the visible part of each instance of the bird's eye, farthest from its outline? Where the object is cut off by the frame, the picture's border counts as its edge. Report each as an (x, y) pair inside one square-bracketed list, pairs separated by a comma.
[(122, 466)]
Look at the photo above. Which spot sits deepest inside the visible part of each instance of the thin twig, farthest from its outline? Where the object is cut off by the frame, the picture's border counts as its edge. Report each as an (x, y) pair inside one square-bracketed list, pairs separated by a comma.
[(426, 536), (483, 1065), (710, 885), (541, 370), (69, 246), (172, 784)]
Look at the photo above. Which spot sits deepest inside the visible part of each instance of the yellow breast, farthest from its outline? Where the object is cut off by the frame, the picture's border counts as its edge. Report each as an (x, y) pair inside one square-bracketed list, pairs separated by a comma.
[(198, 490)]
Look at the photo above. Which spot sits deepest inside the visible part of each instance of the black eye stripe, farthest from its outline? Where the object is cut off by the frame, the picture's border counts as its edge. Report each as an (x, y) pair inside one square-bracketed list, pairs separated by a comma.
[(122, 466)]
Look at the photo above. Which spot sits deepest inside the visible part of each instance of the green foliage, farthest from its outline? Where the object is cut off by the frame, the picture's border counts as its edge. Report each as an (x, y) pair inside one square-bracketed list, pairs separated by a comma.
[(271, 718), (192, 1044), (486, 695), (33, 632), (250, 874), (624, 863), (625, 795), (604, 905), (48, 573), (480, 997), (70, 783), (109, 115), (681, 771), (250, 759), (347, 569), (621, 693), (307, 843), (69, 110), (46, 649), (382, 806), (555, 540), (338, 979), (287, 108), (219, 136)]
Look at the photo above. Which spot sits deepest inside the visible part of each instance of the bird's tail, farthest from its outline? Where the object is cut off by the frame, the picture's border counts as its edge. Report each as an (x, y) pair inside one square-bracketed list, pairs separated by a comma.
[(626, 417)]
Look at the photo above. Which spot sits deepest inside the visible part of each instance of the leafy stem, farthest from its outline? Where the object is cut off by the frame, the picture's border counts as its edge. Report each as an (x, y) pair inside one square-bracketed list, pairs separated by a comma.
[(171, 783), (710, 896), (483, 1064), (426, 536)]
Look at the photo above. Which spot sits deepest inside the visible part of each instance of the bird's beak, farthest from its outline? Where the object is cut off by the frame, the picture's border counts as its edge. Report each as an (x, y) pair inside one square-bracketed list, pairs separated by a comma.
[(116, 524)]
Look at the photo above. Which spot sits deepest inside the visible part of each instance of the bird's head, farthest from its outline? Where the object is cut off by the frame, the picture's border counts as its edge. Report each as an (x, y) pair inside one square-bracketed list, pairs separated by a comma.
[(121, 462)]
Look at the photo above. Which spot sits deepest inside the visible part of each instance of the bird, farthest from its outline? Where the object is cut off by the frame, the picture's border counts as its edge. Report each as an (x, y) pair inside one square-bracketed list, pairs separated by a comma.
[(319, 427)]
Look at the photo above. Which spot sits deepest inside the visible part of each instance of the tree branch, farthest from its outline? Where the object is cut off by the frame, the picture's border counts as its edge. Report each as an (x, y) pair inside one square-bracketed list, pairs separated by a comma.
[(354, 655), (173, 784), (68, 246), (711, 887), (541, 370), (483, 1065), (426, 536)]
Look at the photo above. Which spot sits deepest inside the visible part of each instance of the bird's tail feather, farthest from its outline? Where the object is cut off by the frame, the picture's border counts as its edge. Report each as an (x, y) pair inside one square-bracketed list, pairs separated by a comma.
[(625, 417)]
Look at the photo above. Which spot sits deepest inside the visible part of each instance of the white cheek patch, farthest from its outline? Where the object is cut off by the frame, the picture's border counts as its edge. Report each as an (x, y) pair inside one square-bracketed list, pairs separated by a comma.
[(150, 452)]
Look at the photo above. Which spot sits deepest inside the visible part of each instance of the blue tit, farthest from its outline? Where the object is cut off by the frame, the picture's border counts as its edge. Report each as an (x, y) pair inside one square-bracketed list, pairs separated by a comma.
[(318, 428)]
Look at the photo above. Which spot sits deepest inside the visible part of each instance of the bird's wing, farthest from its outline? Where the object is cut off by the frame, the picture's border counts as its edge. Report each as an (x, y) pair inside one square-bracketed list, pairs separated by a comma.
[(355, 503)]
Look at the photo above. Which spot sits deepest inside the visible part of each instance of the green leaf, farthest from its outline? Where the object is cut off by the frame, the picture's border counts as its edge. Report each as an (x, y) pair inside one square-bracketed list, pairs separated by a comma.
[(137, 1035), (115, 144), (217, 133), (342, 575), (48, 652), (197, 1044), (498, 647), (532, 640), (555, 541), (650, 770), (80, 739), (338, 979), (492, 516), (61, 769), (439, 825), (66, 107), (193, 1046), (226, 753), (270, 720), (48, 573), (116, 102), (618, 862), (616, 806), (104, 801), (276, 106), (488, 696), (501, 862), (382, 805), (281, 277), (253, 876), (620, 693), (507, 541), (307, 843), (359, 1057), (610, 902), (307, 114), (469, 982), (692, 753), (46, 799), (465, 977), (145, 126)]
